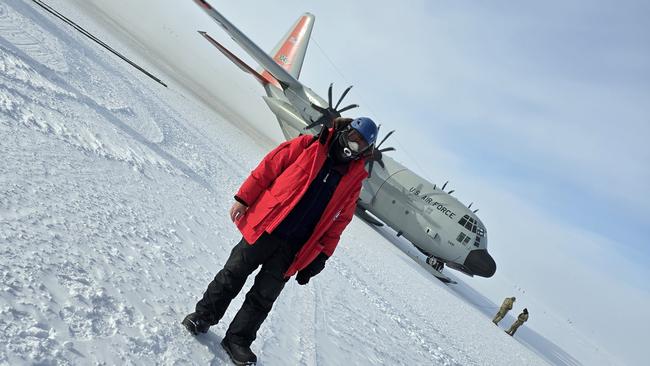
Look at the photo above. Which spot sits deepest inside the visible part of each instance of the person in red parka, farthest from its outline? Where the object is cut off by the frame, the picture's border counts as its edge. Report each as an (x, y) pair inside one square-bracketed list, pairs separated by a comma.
[(291, 212)]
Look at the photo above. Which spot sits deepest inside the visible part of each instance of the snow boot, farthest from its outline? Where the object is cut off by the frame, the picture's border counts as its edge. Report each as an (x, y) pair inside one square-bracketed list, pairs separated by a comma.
[(195, 325), (240, 355)]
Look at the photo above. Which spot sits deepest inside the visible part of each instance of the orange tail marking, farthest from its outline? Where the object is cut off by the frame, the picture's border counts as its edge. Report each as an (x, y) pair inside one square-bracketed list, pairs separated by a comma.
[(287, 53)]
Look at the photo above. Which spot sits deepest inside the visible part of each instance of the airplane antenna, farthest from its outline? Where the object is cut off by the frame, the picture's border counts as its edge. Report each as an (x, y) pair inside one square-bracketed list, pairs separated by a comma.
[(450, 192), (434, 187), (475, 211), (470, 205), (444, 185)]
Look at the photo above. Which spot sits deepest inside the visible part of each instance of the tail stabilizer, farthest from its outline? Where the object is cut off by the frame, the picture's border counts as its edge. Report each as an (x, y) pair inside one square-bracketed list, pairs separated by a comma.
[(241, 64)]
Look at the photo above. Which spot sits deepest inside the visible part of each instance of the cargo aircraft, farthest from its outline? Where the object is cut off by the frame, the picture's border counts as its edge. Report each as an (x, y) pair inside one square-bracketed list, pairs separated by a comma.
[(435, 222)]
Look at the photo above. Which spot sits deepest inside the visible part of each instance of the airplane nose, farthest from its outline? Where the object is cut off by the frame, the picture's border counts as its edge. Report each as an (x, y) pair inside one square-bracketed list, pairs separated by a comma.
[(480, 263)]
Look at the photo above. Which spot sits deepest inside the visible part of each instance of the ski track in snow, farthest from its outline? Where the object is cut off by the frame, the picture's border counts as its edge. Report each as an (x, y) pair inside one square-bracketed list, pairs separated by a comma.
[(113, 218)]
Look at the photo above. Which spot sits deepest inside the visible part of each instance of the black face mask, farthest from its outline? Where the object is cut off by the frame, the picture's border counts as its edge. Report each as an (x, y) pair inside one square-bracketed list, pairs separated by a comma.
[(339, 150)]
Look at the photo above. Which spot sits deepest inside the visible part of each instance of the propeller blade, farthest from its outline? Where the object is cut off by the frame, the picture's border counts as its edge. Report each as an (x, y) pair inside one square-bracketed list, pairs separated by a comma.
[(387, 149), (385, 137), (329, 113), (314, 124), (372, 163), (329, 95), (318, 108), (343, 96), (381, 164), (347, 108)]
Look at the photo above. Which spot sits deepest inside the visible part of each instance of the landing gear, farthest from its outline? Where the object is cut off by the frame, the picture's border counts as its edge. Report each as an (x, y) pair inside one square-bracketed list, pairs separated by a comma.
[(438, 265)]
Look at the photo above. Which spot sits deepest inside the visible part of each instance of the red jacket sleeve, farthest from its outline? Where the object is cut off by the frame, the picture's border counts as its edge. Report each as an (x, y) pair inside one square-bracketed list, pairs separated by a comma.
[(330, 239), (273, 164)]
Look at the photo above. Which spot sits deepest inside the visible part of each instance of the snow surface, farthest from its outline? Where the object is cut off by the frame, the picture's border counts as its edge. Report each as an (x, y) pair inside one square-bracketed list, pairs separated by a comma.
[(114, 195)]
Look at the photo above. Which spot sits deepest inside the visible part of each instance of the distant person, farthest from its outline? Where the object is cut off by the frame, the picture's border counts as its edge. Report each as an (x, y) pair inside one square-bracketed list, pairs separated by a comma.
[(505, 307), (521, 319), (291, 211)]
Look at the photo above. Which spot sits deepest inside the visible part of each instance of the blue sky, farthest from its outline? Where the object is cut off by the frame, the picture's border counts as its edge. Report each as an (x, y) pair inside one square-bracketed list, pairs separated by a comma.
[(535, 111)]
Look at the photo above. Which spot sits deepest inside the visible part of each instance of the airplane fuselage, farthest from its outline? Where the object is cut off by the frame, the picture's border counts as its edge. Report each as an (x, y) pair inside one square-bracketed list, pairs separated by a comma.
[(431, 219)]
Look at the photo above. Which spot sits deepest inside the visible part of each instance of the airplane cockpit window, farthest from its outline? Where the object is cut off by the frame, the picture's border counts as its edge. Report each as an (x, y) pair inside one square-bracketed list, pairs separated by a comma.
[(477, 242), (468, 223), (463, 220), (463, 239)]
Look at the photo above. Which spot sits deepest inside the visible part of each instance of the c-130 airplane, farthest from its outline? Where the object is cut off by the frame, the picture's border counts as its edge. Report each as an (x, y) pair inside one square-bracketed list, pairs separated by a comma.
[(435, 222)]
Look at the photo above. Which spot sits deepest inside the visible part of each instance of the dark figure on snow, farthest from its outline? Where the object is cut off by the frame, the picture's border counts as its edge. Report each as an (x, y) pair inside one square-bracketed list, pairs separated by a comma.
[(503, 310), (521, 319), (291, 211)]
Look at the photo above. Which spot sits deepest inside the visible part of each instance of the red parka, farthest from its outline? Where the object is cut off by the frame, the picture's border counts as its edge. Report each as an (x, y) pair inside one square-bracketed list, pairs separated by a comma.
[(276, 185)]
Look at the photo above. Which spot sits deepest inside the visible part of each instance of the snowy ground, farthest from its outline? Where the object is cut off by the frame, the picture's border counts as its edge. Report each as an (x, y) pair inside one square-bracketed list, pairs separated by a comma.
[(113, 218)]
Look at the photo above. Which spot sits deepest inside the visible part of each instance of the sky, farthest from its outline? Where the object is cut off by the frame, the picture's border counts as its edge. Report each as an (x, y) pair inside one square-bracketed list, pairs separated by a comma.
[(535, 111)]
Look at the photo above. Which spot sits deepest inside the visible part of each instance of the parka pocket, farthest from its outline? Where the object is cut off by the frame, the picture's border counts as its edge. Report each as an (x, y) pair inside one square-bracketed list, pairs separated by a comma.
[(257, 213), (289, 183)]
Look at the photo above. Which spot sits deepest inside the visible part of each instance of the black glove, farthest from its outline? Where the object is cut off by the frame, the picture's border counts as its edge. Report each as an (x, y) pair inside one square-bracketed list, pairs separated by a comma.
[(314, 268)]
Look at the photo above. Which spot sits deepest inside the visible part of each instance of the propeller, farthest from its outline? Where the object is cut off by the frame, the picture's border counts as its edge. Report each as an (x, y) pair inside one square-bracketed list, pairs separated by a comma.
[(331, 112), (377, 153)]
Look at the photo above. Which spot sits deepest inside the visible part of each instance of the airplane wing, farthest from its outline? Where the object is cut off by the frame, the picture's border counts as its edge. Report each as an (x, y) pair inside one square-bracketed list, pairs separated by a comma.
[(282, 75)]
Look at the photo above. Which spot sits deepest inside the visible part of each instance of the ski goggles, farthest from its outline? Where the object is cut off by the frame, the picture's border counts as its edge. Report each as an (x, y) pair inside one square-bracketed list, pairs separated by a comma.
[(354, 145)]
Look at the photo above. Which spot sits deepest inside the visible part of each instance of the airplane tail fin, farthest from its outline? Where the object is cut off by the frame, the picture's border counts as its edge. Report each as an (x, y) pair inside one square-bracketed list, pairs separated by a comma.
[(289, 53)]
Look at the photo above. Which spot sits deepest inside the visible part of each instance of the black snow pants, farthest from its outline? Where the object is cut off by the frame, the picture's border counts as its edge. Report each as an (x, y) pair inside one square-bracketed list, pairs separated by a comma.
[(275, 256)]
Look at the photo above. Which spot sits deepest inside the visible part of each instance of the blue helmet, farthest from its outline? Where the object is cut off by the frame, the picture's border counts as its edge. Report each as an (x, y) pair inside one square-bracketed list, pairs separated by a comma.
[(367, 128)]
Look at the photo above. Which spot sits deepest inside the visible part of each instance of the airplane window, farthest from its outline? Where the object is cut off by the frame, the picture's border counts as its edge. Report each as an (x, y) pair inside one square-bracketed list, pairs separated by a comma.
[(477, 242), (468, 226), (460, 237), (463, 221), (474, 228), (466, 240)]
